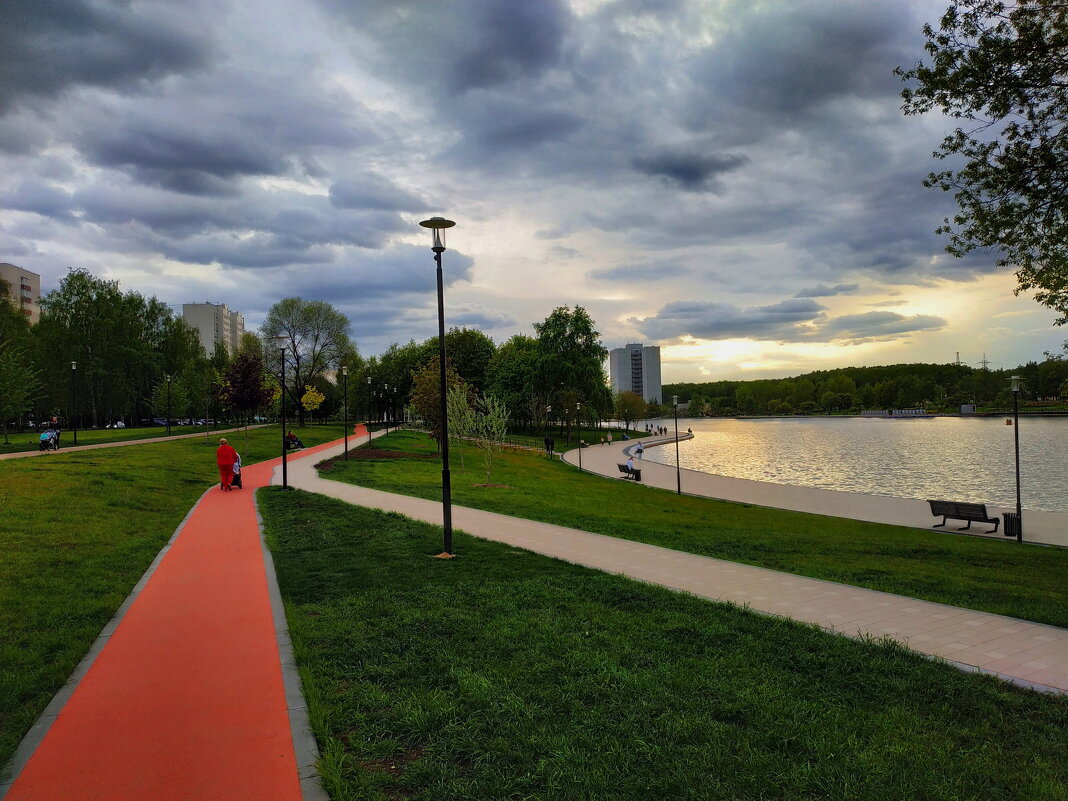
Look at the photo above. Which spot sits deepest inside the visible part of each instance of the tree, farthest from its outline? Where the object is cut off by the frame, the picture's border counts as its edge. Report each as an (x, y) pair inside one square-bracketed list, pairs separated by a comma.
[(18, 384), (169, 406), (426, 394), (491, 427), (629, 407), (462, 417), (511, 375), (570, 353), (316, 338), (1001, 67), (245, 386), (312, 398)]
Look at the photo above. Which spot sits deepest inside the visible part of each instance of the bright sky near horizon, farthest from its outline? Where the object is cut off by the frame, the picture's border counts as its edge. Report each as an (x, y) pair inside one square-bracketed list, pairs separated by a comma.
[(732, 180)]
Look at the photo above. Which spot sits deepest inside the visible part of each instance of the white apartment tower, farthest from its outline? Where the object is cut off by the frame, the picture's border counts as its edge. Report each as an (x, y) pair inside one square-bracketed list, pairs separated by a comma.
[(636, 368), (215, 323), (23, 289)]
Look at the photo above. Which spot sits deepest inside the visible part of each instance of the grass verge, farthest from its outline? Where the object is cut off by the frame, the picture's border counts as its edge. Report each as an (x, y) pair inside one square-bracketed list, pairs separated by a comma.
[(77, 530), (504, 674), (989, 575)]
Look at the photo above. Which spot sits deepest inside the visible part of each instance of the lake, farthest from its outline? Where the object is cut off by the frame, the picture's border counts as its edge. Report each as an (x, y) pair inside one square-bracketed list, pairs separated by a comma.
[(959, 459)]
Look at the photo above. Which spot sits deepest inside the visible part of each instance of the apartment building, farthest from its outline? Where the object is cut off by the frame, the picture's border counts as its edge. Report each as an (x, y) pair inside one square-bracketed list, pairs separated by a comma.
[(23, 289), (636, 368), (215, 322)]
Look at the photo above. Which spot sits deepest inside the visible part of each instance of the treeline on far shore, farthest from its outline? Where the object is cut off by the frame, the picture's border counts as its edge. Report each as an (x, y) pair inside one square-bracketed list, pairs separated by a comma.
[(934, 387)]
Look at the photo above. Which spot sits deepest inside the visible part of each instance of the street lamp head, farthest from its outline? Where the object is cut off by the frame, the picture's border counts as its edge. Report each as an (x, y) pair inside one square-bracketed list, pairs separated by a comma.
[(344, 370), (74, 365), (578, 406), (438, 225), (1016, 383), (674, 400), (368, 380)]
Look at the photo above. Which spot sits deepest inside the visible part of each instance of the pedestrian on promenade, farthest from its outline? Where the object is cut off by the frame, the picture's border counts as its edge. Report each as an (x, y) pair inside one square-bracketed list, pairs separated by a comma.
[(640, 450), (609, 437), (225, 457), (548, 446)]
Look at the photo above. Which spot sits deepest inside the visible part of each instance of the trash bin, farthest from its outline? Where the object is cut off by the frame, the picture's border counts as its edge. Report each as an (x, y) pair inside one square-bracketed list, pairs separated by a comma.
[(1012, 525)]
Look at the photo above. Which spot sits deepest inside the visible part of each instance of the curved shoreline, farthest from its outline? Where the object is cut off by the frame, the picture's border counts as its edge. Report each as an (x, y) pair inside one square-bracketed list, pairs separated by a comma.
[(1047, 528)]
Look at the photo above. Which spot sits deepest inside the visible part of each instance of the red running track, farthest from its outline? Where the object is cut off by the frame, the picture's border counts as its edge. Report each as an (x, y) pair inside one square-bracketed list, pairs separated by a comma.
[(186, 700)]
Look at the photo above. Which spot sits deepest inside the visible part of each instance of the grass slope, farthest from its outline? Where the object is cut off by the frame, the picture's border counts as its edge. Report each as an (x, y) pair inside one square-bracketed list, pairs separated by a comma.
[(989, 575), (504, 674), (77, 530)]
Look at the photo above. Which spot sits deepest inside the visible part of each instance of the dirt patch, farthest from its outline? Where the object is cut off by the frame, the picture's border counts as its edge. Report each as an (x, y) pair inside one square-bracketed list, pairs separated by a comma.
[(356, 454), (491, 486)]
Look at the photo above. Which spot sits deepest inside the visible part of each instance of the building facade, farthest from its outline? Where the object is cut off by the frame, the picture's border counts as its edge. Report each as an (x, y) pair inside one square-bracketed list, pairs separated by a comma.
[(23, 289), (215, 322), (636, 368)]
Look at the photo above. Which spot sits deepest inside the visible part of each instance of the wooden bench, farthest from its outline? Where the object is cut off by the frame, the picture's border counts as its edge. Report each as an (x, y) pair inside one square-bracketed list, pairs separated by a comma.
[(972, 512), (635, 474)]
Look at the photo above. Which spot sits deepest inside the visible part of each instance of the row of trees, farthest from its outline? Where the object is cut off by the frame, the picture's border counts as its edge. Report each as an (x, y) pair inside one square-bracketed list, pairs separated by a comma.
[(933, 386)]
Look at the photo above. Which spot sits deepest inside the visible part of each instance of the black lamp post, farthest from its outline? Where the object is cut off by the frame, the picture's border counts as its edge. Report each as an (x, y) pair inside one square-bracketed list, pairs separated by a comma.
[(1016, 435), (385, 406), (73, 421), (285, 473), (678, 471), (548, 419), (368, 408), (438, 225), (345, 405), (578, 416), (168, 379)]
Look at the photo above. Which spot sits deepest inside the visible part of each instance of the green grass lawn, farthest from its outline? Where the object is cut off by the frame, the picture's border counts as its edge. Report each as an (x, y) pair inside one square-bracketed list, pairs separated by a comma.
[(507, 675), (30, 440), (991, 575), (77, 530)]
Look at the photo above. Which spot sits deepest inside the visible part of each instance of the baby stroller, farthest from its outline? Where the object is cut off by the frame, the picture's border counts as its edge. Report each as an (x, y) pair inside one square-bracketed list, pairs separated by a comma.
[(49, 440), (236, 480)]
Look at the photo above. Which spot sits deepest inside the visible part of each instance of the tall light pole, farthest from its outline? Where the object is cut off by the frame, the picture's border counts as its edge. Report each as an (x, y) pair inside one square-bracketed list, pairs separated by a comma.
[(1016, 435), (578, 415), (438, 225), (368, 409), (345, 405), (282, 358), (678, 471), (385, 406), (167, 378), (73, 422)]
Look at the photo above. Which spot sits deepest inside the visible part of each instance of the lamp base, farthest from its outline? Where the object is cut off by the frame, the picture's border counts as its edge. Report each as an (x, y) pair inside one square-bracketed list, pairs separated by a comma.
[(445, 555)]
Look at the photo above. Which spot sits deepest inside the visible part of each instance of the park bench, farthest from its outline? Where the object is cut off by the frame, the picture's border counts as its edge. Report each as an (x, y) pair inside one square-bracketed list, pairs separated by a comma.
[(972, 512), (635, 474)]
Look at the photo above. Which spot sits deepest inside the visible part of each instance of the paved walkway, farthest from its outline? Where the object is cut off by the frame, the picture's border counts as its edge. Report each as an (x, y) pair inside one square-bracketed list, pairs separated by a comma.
[(182, 696), (1050, 528), (1030, 654), (122, 442)]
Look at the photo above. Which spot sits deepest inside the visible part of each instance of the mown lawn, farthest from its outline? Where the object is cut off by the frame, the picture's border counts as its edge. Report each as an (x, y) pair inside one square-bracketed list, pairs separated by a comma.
[(990, 575), (77, 530), (507, 675), (30, 440)]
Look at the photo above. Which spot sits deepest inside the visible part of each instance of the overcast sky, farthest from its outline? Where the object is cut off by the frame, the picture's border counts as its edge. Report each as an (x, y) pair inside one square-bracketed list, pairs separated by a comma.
[(732, 180)]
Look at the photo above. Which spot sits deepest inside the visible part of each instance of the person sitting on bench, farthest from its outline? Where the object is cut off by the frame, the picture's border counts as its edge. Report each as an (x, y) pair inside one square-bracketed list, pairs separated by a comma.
[(292, 443)]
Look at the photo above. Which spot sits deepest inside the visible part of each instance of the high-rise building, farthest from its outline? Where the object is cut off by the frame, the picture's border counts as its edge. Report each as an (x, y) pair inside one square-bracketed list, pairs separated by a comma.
[(215, 322), (636, 368), (23, 289)]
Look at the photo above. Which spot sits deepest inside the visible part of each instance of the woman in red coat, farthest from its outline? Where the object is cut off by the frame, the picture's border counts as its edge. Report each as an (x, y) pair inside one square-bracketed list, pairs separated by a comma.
[(225, 456)]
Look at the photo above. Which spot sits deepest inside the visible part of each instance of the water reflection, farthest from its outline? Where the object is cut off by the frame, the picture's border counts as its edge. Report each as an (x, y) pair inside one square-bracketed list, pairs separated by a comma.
[(962, 459)]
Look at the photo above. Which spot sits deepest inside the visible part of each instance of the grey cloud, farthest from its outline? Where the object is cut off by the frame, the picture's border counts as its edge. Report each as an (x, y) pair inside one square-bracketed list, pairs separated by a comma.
[(725, 321), (38, 197), (479, 316), (639, 272), (824, 291), (873, 326), (370, 191), (51, 45), (560, 252), (691, 171)]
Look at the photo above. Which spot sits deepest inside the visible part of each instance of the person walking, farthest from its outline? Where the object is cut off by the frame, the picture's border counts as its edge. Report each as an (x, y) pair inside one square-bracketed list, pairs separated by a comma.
[(639, 450), (225, 457)]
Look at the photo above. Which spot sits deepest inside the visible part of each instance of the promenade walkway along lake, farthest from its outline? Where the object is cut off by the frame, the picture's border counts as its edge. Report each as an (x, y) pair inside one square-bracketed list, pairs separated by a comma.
[(183, 695), (1026, 653)]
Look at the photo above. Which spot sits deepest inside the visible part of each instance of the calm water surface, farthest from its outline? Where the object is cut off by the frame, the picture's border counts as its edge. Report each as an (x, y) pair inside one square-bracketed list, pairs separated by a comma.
[(960, 459)]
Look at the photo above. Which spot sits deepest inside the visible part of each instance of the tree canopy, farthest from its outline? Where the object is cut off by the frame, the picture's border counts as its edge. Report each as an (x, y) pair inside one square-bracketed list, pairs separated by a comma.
[(1004, 69)]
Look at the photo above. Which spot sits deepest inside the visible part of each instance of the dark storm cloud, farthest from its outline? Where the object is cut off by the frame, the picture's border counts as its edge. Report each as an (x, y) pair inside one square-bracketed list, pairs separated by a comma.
[(725, 321), (639, 272), (824, 291), (39, 197), (47, 46), (691, 171)]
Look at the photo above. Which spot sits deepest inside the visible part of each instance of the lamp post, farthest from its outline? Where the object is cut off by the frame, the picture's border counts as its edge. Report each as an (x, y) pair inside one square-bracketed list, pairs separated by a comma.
[(548, 419), (167, 377), (345, 405), (73, 422), (1016, 436), (678, 471), (285, 473), (438, 225), (368, 409), (385, 406), (578, 416)]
